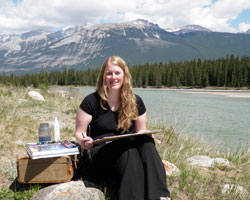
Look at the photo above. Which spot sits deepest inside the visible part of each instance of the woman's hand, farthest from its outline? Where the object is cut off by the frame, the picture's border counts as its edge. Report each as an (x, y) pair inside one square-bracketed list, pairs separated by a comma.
[(82, 122), (86, 142)]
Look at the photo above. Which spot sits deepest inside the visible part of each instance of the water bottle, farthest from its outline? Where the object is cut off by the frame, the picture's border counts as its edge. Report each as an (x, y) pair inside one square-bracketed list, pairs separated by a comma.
[(44, 132), (56, 130)]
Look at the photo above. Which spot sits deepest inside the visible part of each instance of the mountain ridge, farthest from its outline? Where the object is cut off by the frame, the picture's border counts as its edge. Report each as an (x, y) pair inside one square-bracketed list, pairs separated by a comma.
[(138, 42)]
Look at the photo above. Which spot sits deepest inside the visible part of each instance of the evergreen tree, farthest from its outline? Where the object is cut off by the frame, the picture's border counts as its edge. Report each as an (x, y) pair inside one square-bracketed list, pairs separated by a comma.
[(230, 71)]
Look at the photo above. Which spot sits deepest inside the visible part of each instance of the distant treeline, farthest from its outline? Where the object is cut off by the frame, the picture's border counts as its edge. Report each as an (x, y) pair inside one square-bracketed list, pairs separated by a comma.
[(231, 71)]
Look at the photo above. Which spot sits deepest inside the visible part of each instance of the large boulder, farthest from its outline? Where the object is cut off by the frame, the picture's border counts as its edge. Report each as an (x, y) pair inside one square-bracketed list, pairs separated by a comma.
[(73, 190), (205, 161), (36, 96)]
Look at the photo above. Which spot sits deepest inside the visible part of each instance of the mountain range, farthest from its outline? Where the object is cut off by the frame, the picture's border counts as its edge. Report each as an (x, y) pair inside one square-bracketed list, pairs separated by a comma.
[(138, 42)]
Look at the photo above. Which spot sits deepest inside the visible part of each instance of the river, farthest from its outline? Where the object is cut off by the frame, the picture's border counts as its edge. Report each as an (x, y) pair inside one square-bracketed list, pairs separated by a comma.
[(221, 117)]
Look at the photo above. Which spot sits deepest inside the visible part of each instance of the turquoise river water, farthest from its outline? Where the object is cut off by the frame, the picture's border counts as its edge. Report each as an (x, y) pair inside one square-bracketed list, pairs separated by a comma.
[(214, 118)]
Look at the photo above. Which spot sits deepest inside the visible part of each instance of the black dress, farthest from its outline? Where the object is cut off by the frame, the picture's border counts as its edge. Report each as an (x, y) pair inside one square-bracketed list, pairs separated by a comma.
[(135, 161)]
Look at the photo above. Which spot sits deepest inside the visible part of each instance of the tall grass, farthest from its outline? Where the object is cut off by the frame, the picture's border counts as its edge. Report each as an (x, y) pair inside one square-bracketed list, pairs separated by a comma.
[(203, 183)]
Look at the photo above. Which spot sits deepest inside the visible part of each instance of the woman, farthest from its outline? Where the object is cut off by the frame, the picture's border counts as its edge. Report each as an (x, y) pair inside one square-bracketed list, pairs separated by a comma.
[(113, 110)]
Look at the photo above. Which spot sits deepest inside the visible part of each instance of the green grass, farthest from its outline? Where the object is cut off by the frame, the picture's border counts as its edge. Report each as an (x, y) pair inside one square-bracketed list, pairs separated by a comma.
[(7, 194), (199, 182)]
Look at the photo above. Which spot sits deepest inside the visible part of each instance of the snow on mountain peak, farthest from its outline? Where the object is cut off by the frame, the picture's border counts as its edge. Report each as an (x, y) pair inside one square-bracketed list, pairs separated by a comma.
[(196, 28), (140, 22), (187, 29), (174, 29), (67, 27), (6, 37), (34, 34), (145, 24)]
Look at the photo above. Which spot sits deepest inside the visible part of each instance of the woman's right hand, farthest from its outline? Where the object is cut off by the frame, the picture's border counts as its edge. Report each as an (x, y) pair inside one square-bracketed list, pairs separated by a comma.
[(83, 120), (86, 142)]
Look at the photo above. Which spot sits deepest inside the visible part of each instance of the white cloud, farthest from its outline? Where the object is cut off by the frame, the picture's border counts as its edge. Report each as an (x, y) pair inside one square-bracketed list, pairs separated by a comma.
[(53, 14), (243, 27)]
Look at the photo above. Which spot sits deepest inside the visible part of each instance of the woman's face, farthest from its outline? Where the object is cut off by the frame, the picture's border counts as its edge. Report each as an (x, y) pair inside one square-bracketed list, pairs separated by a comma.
[(114, 76)]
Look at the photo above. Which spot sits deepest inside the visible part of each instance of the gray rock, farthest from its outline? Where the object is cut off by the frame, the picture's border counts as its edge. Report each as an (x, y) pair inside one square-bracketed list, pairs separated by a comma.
[(36, 96), (73, 190), (170, 168), (205, 161), (235, 189), (221, 162)]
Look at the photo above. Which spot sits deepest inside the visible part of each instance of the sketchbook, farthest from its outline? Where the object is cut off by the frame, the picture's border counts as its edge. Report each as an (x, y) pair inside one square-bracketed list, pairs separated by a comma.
[(48, 150), (112, 138)]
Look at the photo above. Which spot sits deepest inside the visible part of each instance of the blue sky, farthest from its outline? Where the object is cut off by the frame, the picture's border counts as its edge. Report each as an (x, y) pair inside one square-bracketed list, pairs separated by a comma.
[(243, 17), (16, 1), (217, 15)]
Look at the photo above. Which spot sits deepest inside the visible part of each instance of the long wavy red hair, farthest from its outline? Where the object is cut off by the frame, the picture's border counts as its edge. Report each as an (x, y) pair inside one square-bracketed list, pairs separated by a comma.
[(128, 108)]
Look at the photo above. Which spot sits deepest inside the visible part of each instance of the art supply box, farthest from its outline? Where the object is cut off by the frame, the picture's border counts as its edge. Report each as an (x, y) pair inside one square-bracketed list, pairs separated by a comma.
[(44, 170)]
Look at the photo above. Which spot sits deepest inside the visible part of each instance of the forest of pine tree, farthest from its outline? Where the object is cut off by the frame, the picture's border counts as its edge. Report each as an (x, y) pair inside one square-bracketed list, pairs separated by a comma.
[(231, 71)]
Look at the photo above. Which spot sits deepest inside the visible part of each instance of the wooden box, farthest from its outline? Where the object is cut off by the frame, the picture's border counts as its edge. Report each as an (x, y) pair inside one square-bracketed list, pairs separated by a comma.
[(44, 170)]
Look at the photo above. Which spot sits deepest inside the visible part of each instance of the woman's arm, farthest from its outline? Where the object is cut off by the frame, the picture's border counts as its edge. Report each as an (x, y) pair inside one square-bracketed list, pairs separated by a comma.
[(82, 121), (140, 123)]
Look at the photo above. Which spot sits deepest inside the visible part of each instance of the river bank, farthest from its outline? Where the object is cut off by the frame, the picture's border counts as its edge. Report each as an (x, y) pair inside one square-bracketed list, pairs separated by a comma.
[(222, 91), (20, 117), (235, 94), (228, 92)]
